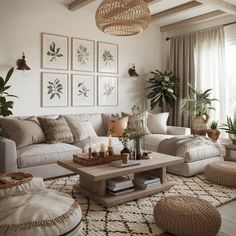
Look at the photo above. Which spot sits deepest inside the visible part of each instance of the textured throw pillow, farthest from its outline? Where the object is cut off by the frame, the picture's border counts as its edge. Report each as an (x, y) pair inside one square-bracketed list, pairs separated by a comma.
[(116, 127), (157, 123), (131, 123), (56, 130), (81, 129), (106, 117), (23, 132)]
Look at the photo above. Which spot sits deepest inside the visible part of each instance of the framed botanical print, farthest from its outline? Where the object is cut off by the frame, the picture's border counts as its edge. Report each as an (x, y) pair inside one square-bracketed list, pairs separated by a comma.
[(107, 58), (82, 54), (54, 51), (83, 93), (54, 90), (107, 91)]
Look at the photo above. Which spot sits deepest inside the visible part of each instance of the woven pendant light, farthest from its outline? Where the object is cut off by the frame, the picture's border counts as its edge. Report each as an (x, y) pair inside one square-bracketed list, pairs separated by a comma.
[(122, 17)]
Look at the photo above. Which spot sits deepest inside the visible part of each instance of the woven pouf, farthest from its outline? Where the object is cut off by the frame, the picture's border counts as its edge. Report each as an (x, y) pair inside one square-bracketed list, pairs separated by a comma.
[(44, 212), (221, 172), (185, 215)]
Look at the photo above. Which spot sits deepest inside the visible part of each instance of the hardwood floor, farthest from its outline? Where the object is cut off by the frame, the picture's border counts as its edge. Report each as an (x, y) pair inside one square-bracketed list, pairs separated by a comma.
[(228, 215)]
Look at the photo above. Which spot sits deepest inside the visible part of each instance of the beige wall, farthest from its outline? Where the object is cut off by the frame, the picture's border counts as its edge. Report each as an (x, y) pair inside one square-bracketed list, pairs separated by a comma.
[(22, 21)]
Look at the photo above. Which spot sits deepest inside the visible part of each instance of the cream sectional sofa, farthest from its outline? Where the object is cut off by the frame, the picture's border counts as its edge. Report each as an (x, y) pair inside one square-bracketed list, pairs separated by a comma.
[(41, 159)]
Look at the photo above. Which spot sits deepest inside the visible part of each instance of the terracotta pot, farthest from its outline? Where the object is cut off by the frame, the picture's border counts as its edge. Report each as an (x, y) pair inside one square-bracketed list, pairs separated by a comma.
[(199, 125), (232, 137), (213, 134)]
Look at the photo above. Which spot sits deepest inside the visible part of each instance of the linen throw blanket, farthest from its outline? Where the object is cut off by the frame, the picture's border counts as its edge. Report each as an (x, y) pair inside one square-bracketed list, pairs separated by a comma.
[(179, 146)]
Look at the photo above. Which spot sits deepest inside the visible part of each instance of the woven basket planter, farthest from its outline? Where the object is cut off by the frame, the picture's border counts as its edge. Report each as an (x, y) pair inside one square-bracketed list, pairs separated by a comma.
[(122, 17)]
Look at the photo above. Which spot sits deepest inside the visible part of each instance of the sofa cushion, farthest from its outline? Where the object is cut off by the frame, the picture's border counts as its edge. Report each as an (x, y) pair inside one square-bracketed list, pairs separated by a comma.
[(43, 154), (152, 141), (105, 118), (157, 123), (116, 127), (81, 129), (141, 126), (56, 130), (95, 119), (84, 145), (23, 132)]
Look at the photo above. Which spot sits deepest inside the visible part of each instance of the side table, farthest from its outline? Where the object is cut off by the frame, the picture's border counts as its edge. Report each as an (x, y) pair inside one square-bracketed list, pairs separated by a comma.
[(230, 152)]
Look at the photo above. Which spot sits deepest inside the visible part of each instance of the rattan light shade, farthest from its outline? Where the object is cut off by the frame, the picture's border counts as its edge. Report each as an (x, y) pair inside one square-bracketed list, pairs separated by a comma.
[(122, 17)]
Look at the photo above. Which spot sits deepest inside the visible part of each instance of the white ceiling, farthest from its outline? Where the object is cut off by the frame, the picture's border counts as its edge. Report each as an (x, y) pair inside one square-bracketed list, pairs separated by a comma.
[(160, 6)]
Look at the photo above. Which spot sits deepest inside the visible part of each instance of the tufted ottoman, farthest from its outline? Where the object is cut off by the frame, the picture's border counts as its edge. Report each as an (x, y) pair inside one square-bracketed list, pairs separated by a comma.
[(186, 215), (221, 172)]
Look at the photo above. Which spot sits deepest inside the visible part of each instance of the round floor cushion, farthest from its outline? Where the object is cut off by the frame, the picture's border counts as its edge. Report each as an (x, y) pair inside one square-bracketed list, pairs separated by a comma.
[(221, 172), (44, 212), (186, 215)]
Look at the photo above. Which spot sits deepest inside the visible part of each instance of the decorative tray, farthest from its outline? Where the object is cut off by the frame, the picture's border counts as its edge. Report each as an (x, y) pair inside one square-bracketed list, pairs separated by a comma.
[(13, 179), (85, 160)]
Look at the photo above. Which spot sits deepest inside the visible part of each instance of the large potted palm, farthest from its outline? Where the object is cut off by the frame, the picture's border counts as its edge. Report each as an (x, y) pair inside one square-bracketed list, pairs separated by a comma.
[(5, 104), (199, 104), (162, 89)]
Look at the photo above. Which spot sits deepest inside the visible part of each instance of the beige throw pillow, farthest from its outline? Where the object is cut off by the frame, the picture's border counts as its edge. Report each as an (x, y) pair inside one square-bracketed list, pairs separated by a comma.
[(131, 123), (157, 123), (116, 127), (56, 130), (23, 132), (81, 129)]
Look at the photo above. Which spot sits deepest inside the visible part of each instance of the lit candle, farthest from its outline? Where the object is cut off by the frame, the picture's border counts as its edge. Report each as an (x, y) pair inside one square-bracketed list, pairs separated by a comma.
[(110, 141), (102, 147), (94, 149)]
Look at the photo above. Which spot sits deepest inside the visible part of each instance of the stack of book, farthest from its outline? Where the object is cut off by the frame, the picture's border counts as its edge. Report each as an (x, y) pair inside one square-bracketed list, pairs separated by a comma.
[(146, 182), (119, 185)]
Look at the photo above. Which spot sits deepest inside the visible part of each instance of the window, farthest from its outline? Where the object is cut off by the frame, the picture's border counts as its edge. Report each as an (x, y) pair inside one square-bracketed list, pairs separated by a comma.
[(230, 54)]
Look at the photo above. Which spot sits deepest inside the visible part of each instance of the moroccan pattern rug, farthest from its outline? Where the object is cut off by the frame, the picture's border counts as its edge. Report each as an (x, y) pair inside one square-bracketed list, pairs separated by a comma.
[(136, 217)]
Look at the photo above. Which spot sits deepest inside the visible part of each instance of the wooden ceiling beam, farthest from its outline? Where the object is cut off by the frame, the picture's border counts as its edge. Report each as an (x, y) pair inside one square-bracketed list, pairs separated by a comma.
[(77, 4), (220, 5), (193, 20), (176, 10)]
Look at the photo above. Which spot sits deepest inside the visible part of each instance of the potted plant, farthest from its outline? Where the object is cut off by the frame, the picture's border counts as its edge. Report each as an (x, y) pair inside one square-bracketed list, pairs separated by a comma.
[(5, 105), (163, 89), (213, 130), (199, 103), (230, 127)]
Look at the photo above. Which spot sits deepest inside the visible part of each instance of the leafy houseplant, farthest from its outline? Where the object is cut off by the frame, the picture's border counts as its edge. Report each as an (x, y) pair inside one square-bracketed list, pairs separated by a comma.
[(5, 105), (199, 103), (213, 130), (135, 133), (230, 127), (163, 89)]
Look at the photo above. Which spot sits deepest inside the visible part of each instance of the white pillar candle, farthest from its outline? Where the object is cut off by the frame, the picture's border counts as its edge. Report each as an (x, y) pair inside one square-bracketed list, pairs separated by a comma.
[(102, 147), (110, 141), (94, 148)]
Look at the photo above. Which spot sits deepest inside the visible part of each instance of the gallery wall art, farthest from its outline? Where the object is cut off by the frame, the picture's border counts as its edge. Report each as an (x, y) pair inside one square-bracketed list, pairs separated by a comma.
[(107, 61), (82, 54), (54, 89), (54, 51), (83, 92), (107, 91)]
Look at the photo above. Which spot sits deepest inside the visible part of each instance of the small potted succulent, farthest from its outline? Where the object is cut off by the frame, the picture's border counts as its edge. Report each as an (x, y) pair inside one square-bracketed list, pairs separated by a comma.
[(213, 130), (230, 127)]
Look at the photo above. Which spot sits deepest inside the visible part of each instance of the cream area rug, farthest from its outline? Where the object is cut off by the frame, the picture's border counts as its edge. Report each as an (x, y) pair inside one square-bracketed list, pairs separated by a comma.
[(136, 217)]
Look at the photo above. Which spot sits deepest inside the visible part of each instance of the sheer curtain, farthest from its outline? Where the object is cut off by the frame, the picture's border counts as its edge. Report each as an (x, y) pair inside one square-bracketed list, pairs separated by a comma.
[(209, 53)]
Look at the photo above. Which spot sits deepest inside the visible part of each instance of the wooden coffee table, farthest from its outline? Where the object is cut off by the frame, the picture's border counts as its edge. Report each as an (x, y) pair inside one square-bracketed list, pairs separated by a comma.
[(93, 179)]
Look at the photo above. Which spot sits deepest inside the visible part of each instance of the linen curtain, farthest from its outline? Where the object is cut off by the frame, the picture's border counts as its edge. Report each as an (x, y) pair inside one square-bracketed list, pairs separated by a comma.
[(210, 68), (182, 65), (198, 58)]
